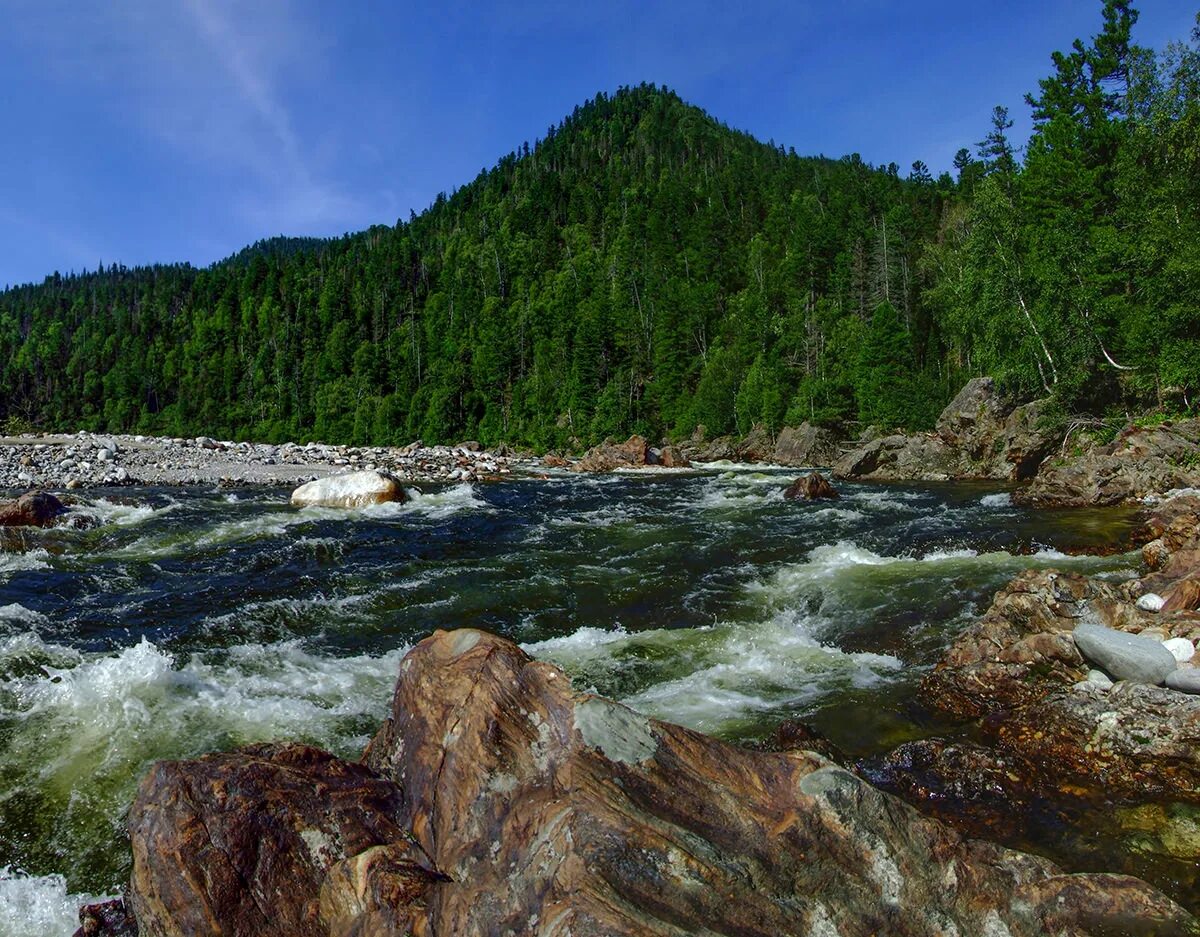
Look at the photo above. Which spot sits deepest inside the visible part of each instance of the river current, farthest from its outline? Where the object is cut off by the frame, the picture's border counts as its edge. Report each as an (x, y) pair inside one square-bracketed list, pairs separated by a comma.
[(186, 622)]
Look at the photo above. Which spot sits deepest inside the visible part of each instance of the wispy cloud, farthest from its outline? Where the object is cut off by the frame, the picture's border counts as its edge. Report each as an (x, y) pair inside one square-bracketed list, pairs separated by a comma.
[(220, 86)]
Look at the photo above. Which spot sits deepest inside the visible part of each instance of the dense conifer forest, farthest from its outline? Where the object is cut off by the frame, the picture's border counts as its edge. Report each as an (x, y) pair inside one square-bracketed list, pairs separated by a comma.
[(646, 268)]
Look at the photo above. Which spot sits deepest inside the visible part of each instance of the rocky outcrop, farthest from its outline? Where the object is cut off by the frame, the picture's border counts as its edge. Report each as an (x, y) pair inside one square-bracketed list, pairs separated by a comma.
[(812, 487), (980, 434), (1061, 675), (610, 455), (32, 509), (806, 445), (498, 800), (1140, 462), (352, 490)]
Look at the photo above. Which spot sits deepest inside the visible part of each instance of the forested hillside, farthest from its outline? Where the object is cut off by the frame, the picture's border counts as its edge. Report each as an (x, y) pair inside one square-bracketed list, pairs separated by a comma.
[(646, 268)]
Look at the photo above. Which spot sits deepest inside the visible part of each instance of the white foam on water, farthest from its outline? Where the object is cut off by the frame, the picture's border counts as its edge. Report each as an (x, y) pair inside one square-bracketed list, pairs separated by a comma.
[(436, 505), (859, 573), (23, 562), (714, 677), (81, 729), (39, 905), (115, 513), (727, 465), (18, 613), (1001, 499)]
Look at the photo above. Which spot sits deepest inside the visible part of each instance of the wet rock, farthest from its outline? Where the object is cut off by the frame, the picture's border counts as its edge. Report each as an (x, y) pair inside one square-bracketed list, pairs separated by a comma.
[(247, 842), (805, 445), (32, 509), (106, 919), (1141, 461), (529, 808), (812, 487), (352, 490), (975, 788), (980, 434), (1125, 656)]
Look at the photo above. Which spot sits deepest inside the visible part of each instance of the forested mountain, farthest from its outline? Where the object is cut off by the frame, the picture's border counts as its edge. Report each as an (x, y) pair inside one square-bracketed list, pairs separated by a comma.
[(644, 267)]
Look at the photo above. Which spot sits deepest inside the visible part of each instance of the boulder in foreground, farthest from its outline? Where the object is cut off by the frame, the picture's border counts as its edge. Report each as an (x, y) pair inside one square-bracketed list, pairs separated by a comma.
[(498, 800), (812, 487), (352, 490), (32, 509)]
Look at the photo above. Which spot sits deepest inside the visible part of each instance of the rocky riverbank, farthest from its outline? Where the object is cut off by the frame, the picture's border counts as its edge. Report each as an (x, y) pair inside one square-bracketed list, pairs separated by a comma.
[(86, 460), (496, 799), (1062, 684)]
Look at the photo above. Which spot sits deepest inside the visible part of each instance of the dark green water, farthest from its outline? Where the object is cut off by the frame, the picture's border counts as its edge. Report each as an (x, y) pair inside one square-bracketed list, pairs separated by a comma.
[(190, 622)]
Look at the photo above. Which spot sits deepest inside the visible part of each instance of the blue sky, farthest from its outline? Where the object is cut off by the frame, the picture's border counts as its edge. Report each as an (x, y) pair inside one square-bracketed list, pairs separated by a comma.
[(164, 130)]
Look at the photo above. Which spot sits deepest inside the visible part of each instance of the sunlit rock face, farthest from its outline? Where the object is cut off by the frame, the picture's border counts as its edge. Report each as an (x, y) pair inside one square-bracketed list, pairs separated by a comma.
[(496, 799)]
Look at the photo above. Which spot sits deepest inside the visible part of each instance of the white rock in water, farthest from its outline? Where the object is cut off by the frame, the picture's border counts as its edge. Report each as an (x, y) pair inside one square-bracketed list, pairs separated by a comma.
[(352, 490), (1100, 679), (1151, 602), (1182, 648)]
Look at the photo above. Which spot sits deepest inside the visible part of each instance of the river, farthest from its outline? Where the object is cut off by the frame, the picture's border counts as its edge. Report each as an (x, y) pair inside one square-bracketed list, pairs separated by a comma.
[(186, 622)]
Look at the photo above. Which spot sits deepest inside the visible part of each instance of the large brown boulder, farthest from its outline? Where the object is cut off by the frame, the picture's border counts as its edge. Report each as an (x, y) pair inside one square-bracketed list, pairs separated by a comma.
[(1141, 461), (32, 509), (980, 434), (812, 487), (263, 841), (504, 802)]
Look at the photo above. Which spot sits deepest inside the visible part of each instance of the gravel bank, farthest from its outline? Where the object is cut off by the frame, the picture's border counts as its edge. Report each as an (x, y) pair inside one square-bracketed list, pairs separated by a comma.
[(86, 460)]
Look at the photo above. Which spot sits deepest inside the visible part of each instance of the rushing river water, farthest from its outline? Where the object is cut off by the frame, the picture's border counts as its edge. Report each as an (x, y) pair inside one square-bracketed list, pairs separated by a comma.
[(188, 622)]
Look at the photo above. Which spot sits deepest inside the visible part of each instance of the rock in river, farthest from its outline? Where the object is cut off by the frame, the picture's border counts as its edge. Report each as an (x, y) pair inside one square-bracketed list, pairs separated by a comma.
[(498, 800), (812, 487), (352, 490), (32, 509), (1123, 655)]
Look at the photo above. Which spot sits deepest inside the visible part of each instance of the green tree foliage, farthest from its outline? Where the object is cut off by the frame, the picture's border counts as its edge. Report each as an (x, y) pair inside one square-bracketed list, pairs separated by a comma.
[(646, 268)]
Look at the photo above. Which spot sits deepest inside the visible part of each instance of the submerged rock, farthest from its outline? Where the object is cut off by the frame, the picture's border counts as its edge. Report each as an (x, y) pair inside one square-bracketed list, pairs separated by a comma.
[(812, 487), (505, 802), (32, 509), (352, 490), (1125, 656)]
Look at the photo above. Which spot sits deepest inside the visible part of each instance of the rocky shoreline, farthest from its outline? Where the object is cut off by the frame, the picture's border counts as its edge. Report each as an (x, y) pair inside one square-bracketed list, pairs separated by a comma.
[(88, 460)]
